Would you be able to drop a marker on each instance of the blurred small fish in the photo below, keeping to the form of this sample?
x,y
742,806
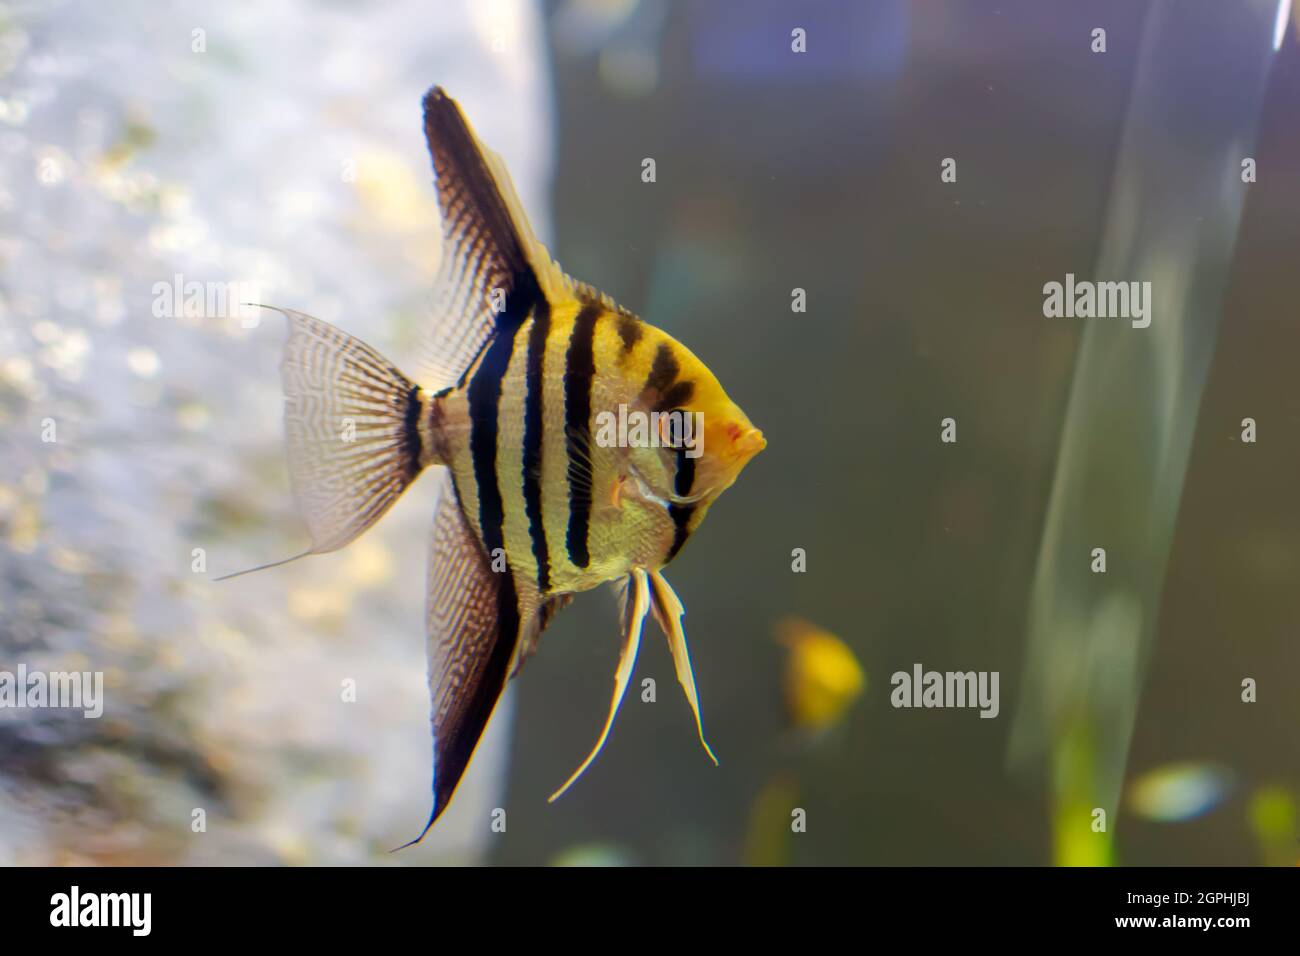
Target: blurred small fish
x,y
1276,825
594,854
822,676
540,496
1179,791
769,839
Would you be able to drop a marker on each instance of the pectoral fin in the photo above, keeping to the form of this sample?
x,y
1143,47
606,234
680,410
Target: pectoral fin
x,y
669,613
636,602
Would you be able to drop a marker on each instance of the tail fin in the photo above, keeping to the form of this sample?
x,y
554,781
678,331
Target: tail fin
x,y
352,427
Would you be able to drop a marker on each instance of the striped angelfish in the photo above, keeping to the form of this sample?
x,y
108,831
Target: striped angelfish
x,y
574,445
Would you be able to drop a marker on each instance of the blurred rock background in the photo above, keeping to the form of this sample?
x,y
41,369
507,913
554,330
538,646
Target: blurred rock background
x,y
278,145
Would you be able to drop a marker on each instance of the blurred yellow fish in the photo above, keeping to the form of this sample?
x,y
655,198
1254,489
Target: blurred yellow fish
x,y
1275,824
769,839
822,676
573,444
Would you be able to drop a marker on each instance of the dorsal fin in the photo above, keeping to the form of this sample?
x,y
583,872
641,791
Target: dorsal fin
x,y
492,266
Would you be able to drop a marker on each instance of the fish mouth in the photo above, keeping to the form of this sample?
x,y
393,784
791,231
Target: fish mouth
x,y
745,444
749,443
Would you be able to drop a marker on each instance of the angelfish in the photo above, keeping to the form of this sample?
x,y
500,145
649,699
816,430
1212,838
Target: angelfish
x,y
521,359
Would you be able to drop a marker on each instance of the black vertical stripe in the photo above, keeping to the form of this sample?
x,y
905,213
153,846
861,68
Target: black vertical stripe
x,y
663,372
684,480
484,395
534,383
412,446
484,407
630,331
681,514
579,376
666,391
676,396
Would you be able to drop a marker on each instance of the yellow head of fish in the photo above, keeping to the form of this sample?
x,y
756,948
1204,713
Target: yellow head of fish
x,y
729,438
684,440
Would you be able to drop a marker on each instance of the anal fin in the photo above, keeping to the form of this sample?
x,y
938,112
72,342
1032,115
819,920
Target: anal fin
x,y
474,626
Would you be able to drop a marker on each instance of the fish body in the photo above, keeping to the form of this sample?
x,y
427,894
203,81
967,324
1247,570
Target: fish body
x,y
524,367
575,515
822,676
